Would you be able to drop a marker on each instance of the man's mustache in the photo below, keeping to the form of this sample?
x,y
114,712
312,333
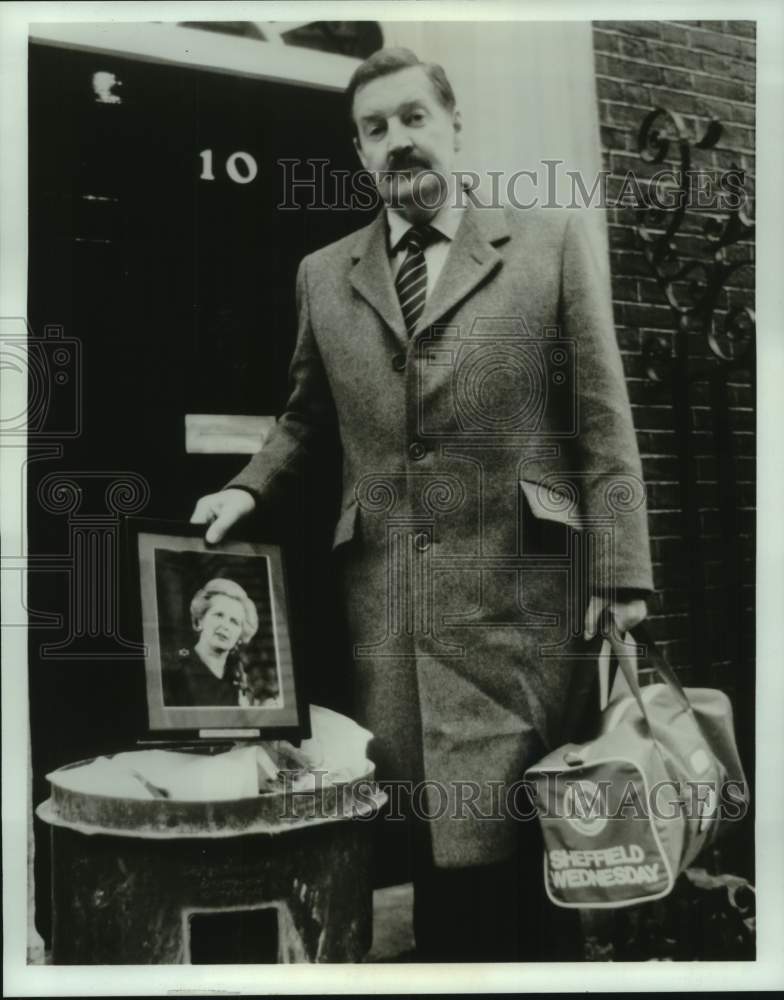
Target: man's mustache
x,y
396,164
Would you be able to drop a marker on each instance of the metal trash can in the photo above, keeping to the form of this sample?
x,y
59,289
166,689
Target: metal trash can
x,y
273,878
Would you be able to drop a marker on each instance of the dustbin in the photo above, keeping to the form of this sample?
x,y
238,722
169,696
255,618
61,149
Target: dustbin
x,y
270,878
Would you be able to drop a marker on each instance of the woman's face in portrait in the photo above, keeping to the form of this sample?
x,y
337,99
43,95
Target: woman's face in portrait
x,y
222,623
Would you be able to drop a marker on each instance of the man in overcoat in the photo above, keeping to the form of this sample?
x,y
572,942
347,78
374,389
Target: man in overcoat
x,y
492,501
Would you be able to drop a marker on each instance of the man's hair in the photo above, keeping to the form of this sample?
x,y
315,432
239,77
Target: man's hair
x,y
388,61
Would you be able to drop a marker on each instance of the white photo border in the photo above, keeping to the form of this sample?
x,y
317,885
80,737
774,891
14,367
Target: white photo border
x,y
767,972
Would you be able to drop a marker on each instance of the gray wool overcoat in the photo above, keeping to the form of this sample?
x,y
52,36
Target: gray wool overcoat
x,y
491,483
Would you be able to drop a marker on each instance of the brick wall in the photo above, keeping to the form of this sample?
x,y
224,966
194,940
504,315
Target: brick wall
x,y
699,69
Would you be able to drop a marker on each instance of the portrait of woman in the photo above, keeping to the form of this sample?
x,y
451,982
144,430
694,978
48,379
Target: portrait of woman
x,y
211,672
215,624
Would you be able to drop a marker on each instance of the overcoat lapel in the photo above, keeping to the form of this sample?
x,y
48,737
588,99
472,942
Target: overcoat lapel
x,y
472,257
371,274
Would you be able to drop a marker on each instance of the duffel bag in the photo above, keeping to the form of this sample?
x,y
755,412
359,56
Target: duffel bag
x,y
625,813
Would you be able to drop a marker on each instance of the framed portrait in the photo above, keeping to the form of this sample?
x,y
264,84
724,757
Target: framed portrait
x,y
214,622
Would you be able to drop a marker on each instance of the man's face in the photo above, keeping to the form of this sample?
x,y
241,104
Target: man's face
x,y
222,623
402,126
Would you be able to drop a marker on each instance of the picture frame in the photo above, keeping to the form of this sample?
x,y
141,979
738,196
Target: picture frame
x,y
215,626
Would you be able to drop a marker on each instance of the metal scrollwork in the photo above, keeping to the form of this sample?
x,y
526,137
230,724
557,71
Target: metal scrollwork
x,y
657,358
692,287
713,335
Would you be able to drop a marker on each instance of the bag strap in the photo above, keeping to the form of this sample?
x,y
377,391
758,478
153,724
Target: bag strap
x,y
627,656
654,655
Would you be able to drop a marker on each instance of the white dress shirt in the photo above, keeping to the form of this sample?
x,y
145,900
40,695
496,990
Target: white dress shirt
x,y
446,222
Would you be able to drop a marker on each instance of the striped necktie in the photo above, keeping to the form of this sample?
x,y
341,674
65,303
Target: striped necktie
x,y
411,280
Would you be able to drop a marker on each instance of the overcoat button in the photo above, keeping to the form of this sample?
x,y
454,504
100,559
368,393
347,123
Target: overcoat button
x,y
422,541
416,451
399,362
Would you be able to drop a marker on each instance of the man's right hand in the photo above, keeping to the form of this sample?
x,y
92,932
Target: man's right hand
x,y
221,511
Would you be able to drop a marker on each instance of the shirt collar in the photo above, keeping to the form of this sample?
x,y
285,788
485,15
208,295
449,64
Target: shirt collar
x,y
446,221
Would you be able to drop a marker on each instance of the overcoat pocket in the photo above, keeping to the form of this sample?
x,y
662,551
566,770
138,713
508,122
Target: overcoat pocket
x,y
346,525
549,503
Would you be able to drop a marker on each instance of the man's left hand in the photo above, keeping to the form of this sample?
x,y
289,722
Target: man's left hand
x,y
627,614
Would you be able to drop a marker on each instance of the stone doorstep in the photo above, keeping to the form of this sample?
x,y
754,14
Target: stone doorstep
x,y
393,932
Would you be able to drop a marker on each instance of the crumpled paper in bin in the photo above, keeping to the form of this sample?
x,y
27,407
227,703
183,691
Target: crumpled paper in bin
x,y
338,746
167,774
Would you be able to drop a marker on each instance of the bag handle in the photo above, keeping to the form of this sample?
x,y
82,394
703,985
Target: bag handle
x,y
654,655
627,658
